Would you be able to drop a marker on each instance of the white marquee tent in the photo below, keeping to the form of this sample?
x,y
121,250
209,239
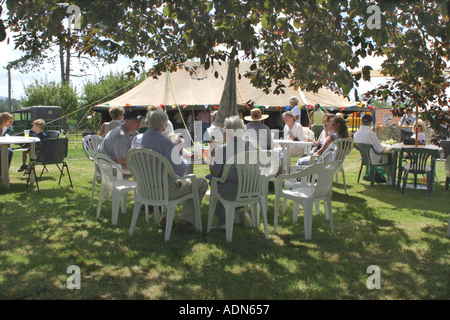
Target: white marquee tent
x,y
200,88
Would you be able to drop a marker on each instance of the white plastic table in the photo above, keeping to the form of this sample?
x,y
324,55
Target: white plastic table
x,y
4,142
286,149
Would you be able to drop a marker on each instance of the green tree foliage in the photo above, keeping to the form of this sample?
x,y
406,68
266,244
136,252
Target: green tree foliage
x,y
109,87
4,104
44,93
311,43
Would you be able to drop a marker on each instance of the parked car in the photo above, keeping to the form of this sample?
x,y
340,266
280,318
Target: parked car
x,y
23,118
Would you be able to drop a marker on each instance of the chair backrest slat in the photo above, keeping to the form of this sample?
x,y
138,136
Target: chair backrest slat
x,y
106,166
250,176
91,143
418,158
152,172
320,177
53,151
343,148
364,149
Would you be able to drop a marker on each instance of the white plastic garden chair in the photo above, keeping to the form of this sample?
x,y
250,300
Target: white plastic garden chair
x,y
91,143
316,185
113,181
152,172
343,148
329,155
250,190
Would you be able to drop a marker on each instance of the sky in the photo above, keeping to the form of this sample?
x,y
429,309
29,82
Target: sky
x,y
19,79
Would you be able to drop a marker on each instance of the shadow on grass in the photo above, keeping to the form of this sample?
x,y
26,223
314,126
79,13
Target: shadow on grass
x,y
44,233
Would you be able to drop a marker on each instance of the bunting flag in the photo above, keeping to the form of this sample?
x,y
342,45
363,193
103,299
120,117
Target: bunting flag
x,y
351,108
215,107
266,106
206,106
107,104
184,107
257,107
370,108
277,107
161,105
342,108
310,106
127,105
321,109
288,108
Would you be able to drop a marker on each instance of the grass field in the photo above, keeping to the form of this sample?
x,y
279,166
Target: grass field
x,y
43,233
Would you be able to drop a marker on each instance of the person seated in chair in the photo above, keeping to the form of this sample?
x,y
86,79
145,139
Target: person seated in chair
x,y
116,113
38,129
118,141
234,143
325,132
421,131
338,130
6,120
293,131
155,140
367,136
257,132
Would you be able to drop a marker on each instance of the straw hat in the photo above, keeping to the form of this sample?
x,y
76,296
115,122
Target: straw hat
x,y
256,115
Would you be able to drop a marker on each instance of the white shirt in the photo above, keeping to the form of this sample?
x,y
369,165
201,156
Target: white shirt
x,y
112,125
367,136
296,131
215,132
296,110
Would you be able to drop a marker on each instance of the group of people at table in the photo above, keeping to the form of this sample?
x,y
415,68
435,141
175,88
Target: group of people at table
x,y
224,143
121,134
6,121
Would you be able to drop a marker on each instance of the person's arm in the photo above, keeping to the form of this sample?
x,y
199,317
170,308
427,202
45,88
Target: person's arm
x,y
376,143
328,141
102,130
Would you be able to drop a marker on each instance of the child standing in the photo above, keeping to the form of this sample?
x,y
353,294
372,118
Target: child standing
x,y
38,127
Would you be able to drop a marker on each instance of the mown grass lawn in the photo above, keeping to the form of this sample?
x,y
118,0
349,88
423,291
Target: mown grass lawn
x,y
43,233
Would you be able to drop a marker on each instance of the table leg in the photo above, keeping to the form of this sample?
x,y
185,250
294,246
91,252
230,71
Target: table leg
x,y
32,158
394,169
288,159
5,169
308,150
400,169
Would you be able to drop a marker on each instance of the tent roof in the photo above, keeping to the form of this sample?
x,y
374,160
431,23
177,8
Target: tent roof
x,y
201,89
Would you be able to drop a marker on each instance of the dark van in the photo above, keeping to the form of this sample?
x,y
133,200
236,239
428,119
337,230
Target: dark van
x,y
23,118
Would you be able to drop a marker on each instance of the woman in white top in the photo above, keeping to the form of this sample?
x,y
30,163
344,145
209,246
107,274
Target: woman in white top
x,y
116,113
421,131
327,118
293,131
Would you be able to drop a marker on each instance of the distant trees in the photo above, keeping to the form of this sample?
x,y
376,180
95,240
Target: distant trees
x,y
107,88
45,93
4,104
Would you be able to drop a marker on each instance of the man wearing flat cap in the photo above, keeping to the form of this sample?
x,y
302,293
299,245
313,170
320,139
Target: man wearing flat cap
x,y
118,141
258,132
